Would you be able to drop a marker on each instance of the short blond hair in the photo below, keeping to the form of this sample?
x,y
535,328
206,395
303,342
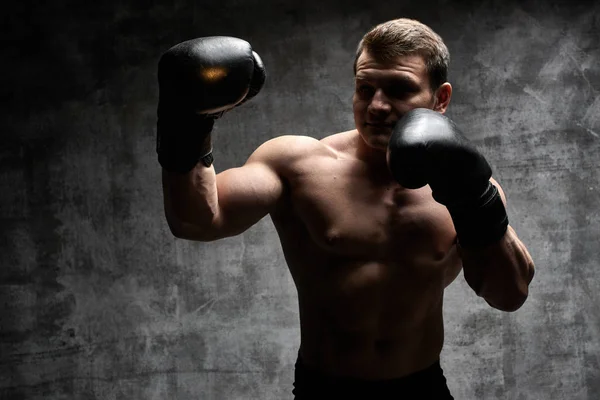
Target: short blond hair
x,y
404,36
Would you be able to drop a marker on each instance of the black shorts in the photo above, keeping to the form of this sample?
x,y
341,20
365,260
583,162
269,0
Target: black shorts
x,y
426,384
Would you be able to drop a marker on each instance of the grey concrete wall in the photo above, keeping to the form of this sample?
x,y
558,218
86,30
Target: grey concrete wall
x,y
99,301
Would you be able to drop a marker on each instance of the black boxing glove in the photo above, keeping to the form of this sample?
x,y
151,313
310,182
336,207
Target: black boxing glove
x,y
198,81
428,148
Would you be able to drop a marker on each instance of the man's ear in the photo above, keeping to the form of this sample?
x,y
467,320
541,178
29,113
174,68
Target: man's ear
x,y
442,97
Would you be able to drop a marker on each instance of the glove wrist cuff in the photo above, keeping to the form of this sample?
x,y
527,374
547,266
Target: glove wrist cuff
x,y
182,142
481,224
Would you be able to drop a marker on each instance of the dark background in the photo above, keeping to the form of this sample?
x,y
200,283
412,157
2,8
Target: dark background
x,y
99,301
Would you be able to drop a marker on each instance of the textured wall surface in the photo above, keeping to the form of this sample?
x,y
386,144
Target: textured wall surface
x,y
99,301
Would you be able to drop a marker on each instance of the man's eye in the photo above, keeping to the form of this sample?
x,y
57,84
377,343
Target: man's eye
x,y
365,89
400,91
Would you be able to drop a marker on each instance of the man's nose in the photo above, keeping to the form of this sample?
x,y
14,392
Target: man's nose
x,y
379,103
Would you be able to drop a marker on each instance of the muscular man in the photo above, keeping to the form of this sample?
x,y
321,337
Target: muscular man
x,y
374,222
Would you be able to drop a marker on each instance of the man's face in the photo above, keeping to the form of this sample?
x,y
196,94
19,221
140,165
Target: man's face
x,y
385,92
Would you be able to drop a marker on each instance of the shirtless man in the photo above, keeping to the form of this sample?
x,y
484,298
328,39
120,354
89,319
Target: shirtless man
x,y
374,223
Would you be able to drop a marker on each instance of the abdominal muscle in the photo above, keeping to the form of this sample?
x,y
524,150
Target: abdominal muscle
x,y
368,320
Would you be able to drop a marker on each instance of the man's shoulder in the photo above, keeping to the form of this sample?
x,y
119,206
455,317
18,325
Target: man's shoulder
x,y
288,153
293,147
293,143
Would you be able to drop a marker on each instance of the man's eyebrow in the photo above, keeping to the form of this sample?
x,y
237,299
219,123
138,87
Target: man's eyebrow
x,y
395,79
404,80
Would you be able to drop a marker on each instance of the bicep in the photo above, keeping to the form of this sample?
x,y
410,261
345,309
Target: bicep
x,y
245,195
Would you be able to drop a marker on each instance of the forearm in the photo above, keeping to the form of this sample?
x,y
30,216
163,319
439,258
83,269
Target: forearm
x,y
500,272
191,202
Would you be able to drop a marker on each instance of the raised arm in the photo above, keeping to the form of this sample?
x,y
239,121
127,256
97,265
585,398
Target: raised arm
x,y
203,206
199,80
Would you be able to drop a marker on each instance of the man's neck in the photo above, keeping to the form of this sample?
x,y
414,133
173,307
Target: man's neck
x,y
375,158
